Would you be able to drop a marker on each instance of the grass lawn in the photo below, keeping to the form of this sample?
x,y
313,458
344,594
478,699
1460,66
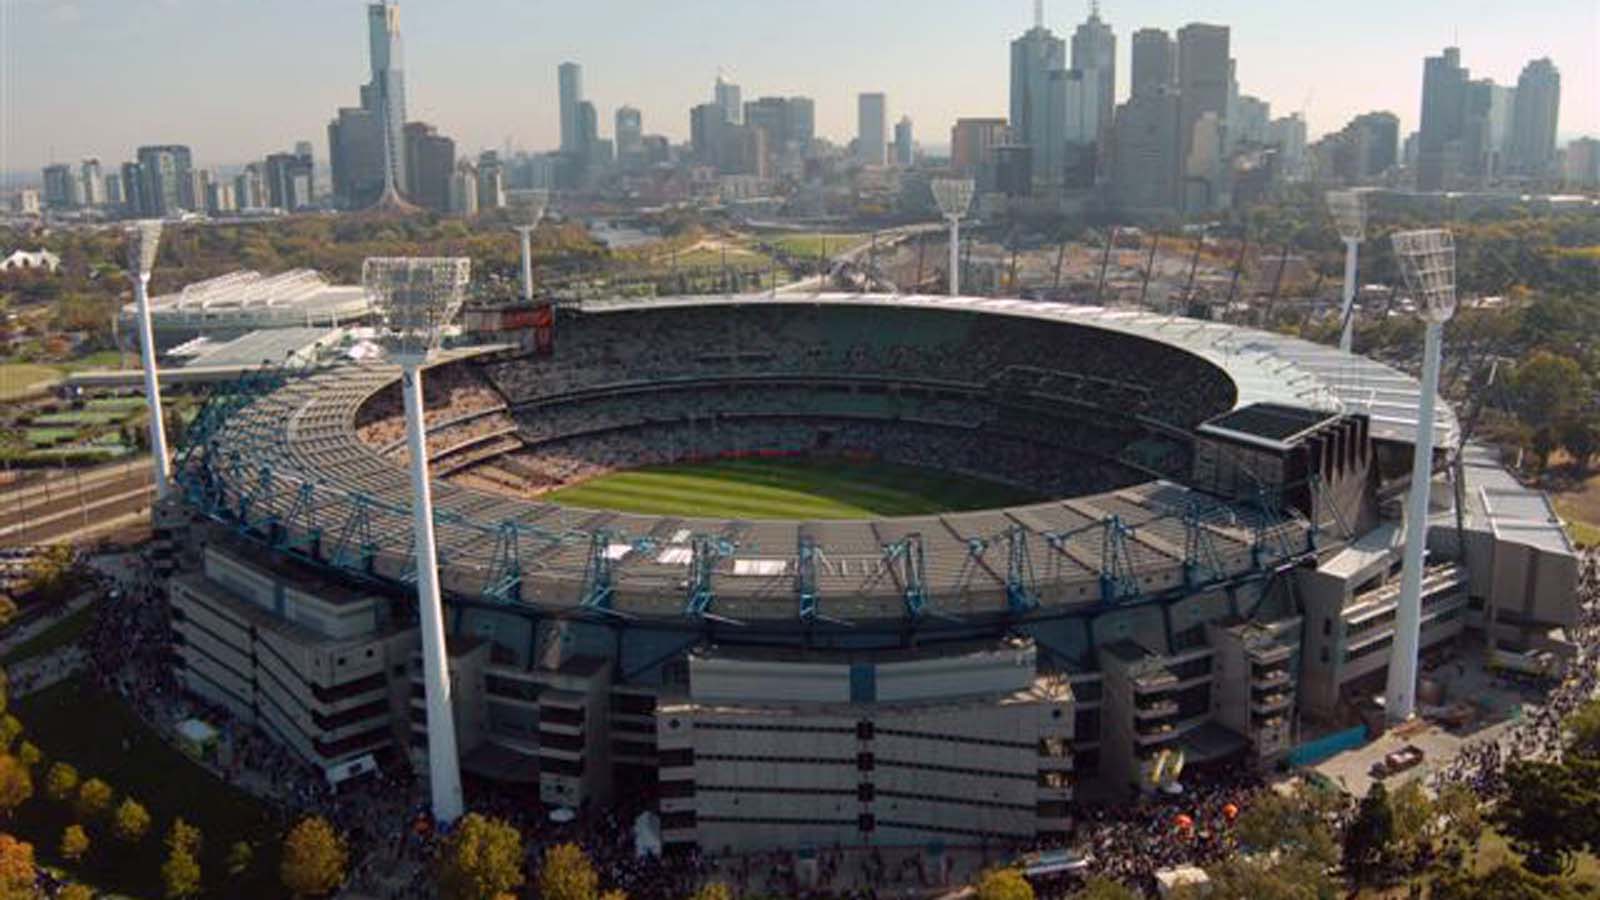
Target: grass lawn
x,y
76,723
811,245
1581,510
23,379
788,489
60,633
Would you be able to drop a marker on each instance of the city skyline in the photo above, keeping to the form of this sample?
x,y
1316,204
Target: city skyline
x,y
469,87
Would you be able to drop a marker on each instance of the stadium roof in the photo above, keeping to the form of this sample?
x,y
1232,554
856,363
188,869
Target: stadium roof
x,y
301,297
1265,367
267,347
1496,501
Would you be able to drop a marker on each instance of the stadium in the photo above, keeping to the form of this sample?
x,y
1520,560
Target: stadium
x,y
1193,548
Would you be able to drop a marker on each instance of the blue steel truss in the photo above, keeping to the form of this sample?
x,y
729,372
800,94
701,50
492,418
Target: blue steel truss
x,y
706,551
505,575
1202,564
905,559
1022,591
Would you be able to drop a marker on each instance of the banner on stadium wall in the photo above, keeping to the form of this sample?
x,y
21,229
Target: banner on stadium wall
x,y
544,329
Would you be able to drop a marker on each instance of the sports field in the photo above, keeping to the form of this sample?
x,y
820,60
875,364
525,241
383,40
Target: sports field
x,y
788,489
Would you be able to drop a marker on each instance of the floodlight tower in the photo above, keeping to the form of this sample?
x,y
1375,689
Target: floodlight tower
x,y
954,195
1428,261
535,210
1349,210
144,238
415,299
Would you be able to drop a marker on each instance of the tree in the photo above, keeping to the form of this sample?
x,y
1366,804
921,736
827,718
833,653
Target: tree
x,y
1262,878
29,754
184,837
180,874
18,874
1463,816
1004,884
61,782
94,798
1583,731
713,890
1415,821
1296,823
1549,812
16,784
240,857
1546,386
482,860
130,822
74,842
1369,841
1581,436
314,858
75,892
1506,881
565,873
10,730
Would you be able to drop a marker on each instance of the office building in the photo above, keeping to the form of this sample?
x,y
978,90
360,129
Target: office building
x,y
904,148
491,185
26,202
355,152
250,188
1204,83
569,78
1154,61
629,136
726,96
1144,156
62,189
972,143
168,187
790,122
1094,53
1582,162
220,199
1444,107
93,189
433,163
706,124
116,198
872,129
1363,150
385,95
1534,118
463,199
1038,96
1251,122
289,178
133,202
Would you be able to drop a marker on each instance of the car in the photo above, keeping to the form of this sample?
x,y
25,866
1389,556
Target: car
x,y
1406,757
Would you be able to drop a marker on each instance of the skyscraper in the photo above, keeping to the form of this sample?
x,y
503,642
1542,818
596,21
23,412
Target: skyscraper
x,y
61,188
168,187
289,181
1444,105
1034,55
726,96
872,128
570,79
1204,77
94,183
630,137
1534,116
433,163
355,152
491,181
1144,156
972,143
904,146
385,95
133,202
1094,53
1153,60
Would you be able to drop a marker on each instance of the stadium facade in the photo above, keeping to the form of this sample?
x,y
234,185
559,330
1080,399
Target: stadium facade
x,y
1214,579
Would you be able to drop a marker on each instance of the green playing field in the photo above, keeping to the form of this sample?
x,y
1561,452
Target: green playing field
x,y
789,489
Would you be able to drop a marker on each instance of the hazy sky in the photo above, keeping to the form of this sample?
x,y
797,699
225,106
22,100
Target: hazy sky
x,y
236,79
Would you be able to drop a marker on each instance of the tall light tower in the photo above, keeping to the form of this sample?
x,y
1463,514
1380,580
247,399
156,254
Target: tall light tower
x,y
954,196
415,299
535,214
1349,210
1427,259
144,238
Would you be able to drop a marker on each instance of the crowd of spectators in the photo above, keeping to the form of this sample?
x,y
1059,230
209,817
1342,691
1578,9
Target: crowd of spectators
x,y
449,392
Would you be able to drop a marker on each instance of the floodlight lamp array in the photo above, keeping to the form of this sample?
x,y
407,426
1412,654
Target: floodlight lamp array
x,y
1427,260
954,195
144,239
415,299
531,211
1349,209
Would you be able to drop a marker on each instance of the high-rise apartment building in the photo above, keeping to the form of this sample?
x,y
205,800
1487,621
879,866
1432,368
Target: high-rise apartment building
x,y
433,163
872,129
1444,109
1204,84
385,95
1534,118
569,78
726,95
1154,61
904,143
1094,53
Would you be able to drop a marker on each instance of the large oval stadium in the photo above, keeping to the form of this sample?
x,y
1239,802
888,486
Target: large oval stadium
x,y
1189,497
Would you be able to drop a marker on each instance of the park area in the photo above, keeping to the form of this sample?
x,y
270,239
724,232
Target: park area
x,y
789,489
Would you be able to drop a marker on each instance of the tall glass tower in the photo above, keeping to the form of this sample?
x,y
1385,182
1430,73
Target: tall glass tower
x,y
385,95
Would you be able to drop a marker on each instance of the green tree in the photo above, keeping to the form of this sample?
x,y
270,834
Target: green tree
x,y
565,873
1097,889
1549,812
1546,386
713,890
16,784
94,798
1369,840
29,754
61,782
1506,881
10,730
482,860
180,874
130,821
1004,884
75,892
1296,823
314,858
1581,436
74,842
1265,878
1416,821
240,857
184,837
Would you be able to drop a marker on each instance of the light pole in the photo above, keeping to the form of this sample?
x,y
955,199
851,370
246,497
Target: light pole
x,y
144,238
415,299
954,196
535,209
1349,210
1427,259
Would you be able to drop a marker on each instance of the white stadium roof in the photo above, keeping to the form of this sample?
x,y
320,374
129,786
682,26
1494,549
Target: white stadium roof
x,y
301,297
1265,367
